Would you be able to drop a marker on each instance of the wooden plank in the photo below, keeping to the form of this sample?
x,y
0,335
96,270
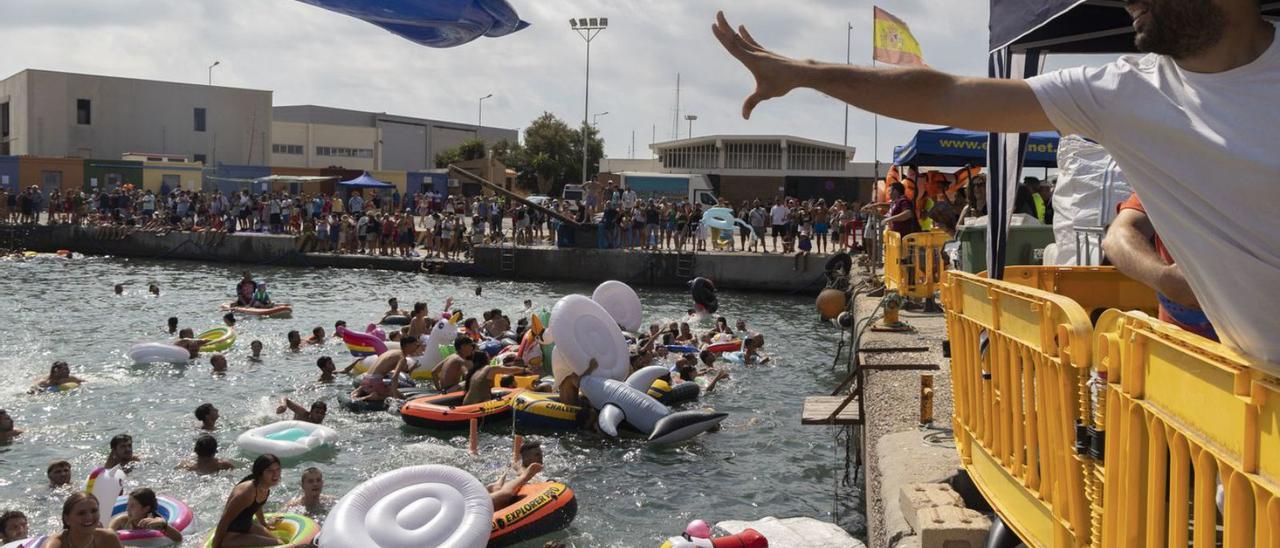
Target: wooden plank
x,y
818,410
903,366
888,349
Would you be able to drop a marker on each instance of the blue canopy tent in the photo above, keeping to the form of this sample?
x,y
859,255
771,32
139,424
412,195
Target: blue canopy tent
x,y
434,23
951,147
1022,34
366,181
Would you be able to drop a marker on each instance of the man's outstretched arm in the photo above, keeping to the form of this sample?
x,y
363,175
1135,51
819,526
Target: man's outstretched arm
x,y
913,94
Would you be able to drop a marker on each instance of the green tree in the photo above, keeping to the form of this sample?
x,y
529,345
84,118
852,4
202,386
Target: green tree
x,y
471,149
554,153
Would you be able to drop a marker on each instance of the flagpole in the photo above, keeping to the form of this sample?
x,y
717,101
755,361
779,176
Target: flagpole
x,y
848,60
876,124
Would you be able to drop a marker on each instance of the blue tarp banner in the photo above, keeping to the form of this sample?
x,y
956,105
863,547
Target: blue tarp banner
x,y
434,23
365,181
950,147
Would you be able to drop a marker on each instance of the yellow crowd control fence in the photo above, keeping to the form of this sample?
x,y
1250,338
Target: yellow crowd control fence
x,y
913,263
1121,431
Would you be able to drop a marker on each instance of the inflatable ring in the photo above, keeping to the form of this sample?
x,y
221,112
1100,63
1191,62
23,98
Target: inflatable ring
x,y
64,387
840,262
428,505
155,352
521,381
682,348
286,439
728,346
366,406
539,509
174,511
278,311
585,331
293,529
621,302
106,485
395,319
673,395
220,338
362,344
33,542
733,357
748,538
446,412
405,382
418,374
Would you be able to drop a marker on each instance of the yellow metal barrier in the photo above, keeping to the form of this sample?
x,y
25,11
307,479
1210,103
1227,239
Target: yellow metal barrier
x,y
1019,363
1094,288
913,264
1186,420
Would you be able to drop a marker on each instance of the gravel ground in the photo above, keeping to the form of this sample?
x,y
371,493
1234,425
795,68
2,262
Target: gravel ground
x,y
892,402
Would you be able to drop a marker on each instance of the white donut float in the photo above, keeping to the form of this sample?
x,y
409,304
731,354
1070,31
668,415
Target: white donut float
x,y
286,439
33,542
584,331
621,302
154,352
428,505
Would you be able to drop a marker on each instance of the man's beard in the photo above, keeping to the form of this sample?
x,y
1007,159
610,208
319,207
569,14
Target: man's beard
x,y
1181,28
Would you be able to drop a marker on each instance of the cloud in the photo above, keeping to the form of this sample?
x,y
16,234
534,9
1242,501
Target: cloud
x,y
309,55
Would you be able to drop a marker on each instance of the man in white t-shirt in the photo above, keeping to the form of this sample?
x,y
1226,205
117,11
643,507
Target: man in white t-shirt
x,y
1191,125
778,215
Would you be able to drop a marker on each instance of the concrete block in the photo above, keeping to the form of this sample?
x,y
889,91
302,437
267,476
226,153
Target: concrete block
x,y
917,496
952,527
912,541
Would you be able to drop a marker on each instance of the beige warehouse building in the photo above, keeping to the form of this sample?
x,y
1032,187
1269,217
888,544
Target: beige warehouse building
x,y
60,114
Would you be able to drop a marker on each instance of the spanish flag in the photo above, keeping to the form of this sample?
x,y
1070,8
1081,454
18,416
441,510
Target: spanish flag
x,y
894,43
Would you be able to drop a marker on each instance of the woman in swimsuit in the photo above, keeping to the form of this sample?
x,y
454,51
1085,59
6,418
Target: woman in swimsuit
x,y
142,512
80,525
243,523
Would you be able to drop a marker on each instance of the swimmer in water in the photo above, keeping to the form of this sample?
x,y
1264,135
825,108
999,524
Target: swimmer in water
x,y
173,325
119,289
315,415
338,326
13,526
751,350
142,511
705,378
242,522
393,309
568,387
419,322
390,364
80,519
58,473
207,461
317,337
219,364
121,453
526,463
59,374
479,384
229,319
153,289
295,341
447,374
327,367
208,415
255,351
685,336
245,289
313,501
7,430
187,340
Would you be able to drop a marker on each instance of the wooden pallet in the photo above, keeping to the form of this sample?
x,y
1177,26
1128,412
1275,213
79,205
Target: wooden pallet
x,y
822,410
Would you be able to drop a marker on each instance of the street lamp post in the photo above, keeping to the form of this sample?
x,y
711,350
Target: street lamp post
x,y
691,118
588,29
597,115
215,63
480,113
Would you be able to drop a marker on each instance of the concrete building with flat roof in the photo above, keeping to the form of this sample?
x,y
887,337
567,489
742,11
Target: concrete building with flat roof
x,y
310,136
748,167
60,114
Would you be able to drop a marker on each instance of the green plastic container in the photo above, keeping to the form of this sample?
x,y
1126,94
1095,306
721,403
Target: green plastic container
x,y
1026,246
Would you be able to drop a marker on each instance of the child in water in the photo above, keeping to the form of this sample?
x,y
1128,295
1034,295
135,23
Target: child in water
x,y
261,299
313,501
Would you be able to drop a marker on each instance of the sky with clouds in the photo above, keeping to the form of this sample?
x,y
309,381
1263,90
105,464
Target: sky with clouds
x,y
307,55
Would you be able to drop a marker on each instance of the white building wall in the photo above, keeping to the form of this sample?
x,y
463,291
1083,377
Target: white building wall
x,y
312,139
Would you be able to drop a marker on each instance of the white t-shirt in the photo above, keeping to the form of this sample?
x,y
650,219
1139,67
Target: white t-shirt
x,y
778,214
1200,150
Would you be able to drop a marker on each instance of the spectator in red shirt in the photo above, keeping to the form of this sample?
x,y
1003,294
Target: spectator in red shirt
x,y
902,211
1134,247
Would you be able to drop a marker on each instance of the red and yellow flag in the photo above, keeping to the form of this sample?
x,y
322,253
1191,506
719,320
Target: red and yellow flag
x,y
894,43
